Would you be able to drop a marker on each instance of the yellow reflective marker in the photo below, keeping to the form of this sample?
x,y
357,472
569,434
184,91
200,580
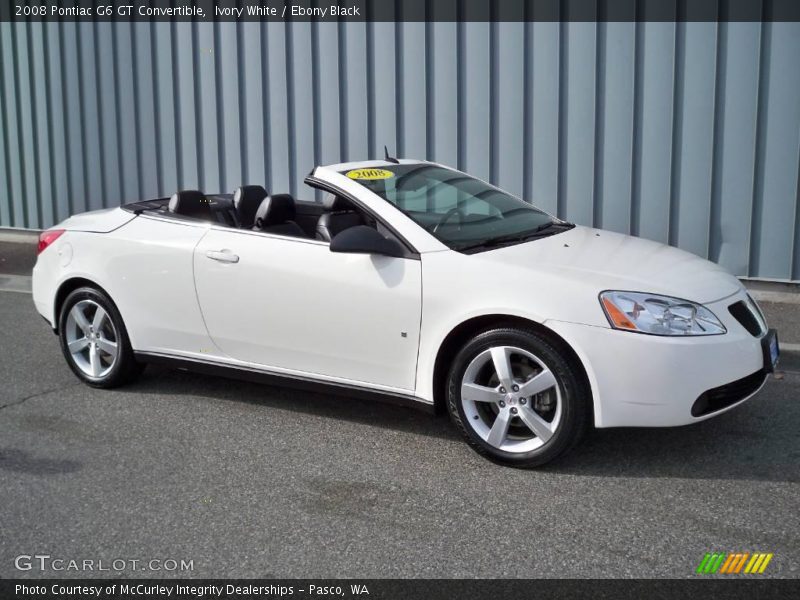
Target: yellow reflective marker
x,y
370,174
757,564
764,564
751,565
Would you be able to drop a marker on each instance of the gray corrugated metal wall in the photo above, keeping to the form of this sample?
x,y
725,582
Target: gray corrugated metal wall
x,y
686,133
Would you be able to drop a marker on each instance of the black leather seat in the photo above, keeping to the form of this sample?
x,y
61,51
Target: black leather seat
x,y
191,203
338,216
276,214
246,200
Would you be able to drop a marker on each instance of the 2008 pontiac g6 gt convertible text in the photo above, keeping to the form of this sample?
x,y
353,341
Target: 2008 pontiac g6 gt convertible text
x,y
414,282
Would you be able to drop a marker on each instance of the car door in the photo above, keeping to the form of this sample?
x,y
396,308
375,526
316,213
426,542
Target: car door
x,y
290,304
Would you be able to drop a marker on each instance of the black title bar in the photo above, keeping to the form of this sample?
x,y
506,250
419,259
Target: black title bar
x,y
399,10
744,587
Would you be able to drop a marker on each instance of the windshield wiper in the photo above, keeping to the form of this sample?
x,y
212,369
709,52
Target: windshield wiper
x,y
540,231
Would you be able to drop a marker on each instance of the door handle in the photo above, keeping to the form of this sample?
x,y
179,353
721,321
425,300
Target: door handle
x,y
225,256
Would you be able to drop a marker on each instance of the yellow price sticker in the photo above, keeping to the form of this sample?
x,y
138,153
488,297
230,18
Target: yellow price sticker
x,y
369,174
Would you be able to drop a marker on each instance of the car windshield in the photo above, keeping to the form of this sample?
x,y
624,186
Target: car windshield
x,y
461,211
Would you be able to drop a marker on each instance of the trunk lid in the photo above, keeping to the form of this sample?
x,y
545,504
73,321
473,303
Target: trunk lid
x,y
97,221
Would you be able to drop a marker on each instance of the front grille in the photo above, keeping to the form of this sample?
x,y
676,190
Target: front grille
x,y
746,313
725,395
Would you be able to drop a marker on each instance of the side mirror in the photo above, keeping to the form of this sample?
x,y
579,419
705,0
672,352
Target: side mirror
x,y
365,240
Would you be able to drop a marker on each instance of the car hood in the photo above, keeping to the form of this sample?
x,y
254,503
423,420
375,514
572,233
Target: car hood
x,y
605,260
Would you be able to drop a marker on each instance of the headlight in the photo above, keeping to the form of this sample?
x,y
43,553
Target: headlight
x,y
658,315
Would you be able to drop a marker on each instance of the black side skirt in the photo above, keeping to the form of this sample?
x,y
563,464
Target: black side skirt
x,y
281,379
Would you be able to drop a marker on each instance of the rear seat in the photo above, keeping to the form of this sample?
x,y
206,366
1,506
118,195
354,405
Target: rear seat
x,y
250,207
195,204
191,203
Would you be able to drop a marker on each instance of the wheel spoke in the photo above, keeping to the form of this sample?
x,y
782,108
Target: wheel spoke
x,y
497,435
99,319
94,361
78,345
535,423
479,393
108,347
80,318
502,365
538,384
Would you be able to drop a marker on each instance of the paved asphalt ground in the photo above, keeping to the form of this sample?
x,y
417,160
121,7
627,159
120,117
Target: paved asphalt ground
x,y
16,257
254,481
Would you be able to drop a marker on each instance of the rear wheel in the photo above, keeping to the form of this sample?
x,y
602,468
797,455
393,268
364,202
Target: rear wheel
x,y
94,340
516,398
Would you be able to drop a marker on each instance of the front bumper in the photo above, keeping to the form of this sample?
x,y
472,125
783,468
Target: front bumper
x,y
654,381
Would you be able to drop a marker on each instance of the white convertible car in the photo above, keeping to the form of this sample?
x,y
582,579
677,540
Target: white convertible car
x,y
416,283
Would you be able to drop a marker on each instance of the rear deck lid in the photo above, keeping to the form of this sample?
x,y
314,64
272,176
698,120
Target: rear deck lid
x,y
98,221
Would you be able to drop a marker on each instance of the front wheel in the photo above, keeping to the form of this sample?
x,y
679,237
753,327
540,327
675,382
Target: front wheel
x,y
94,340
516,398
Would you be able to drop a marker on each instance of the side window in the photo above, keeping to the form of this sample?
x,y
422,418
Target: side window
x,y
384,231
363,218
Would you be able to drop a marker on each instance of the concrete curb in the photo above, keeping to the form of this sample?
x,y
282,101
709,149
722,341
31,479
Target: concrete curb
x,y
790,357
23,236
790,361
15,283
778,297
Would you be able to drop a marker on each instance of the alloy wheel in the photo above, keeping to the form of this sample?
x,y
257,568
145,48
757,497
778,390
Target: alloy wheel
x,y
92,339
511,399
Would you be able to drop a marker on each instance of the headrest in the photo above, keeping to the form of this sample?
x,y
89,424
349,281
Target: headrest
x,y
333,202
246,200
274,210
190,203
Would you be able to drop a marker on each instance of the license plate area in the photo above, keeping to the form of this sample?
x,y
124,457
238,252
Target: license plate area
x,y
771,350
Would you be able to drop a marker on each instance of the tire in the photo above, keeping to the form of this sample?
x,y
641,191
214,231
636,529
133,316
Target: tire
x,y
96,347
545,414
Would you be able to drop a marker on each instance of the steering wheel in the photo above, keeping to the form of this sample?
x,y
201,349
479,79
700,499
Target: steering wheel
x,y
456,210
